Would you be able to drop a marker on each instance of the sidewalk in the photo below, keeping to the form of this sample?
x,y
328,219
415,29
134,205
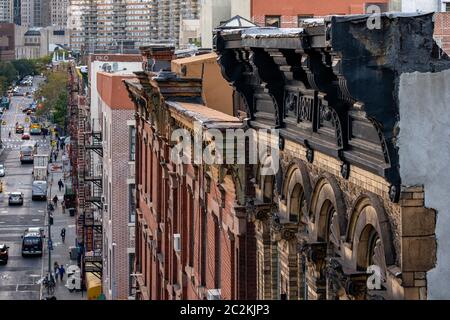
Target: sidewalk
x,y
61,252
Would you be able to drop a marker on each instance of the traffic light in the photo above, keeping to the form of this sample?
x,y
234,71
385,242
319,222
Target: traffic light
x,y
50,219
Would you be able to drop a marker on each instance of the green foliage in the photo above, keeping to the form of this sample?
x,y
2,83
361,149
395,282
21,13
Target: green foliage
x,y
7,75
24,67
54,92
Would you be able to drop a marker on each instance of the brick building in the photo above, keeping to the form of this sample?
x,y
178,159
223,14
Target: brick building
x,y
193,240
289,13
118,131
442,30
357,189
7,42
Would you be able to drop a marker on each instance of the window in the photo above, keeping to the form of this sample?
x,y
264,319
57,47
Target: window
x,y
132,143
273,21
132,203
302,17
447,7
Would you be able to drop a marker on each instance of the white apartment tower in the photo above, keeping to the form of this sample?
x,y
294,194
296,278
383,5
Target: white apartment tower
x,y
109,25
6,11
58,12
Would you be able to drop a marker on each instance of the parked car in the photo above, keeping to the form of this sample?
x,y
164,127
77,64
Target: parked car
x,y
25,136
2,170
15,197
4,253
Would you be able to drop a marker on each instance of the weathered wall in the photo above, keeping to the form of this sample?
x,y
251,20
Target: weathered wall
x,y
424,150
213,12
421,5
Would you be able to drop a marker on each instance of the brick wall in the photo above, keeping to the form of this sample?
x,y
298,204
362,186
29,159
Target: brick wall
x,y
442,30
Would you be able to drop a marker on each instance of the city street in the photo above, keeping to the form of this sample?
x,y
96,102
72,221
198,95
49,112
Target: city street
x,y
19,276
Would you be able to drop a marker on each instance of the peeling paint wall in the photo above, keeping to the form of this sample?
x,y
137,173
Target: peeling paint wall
x,y
424,151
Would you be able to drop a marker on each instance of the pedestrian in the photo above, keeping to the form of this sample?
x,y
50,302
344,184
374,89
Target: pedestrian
x,y
55,269
63,234
55,200
9,134
55,156
60,185
61,272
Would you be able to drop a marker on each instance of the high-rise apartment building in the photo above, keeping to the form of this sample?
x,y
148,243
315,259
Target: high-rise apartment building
x,y
34,13
107,25
166,17
6,11
27,13
58,12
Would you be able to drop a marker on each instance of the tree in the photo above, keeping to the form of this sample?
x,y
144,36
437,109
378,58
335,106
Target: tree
x,y
54,94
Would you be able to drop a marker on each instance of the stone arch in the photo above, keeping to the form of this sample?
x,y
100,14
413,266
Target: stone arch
x,y
369,233
296,190
328,211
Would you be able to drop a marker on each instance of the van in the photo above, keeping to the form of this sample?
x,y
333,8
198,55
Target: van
x,y
32,243
39,190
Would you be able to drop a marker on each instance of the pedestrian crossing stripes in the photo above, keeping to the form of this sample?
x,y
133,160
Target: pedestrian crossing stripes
x,y
20,140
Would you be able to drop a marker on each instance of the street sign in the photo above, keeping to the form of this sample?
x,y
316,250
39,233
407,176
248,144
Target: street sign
x,y
50,244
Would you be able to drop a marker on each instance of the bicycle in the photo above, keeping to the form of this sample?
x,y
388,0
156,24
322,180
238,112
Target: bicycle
x,y
49,284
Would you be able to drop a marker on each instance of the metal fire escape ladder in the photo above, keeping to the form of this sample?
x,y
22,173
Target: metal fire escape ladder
x,y
93,221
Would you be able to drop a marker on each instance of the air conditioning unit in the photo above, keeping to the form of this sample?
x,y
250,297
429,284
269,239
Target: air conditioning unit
x,y
177,242
213,294
105,207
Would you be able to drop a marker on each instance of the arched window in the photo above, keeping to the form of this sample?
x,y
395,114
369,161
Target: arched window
x,y
296,202
267,189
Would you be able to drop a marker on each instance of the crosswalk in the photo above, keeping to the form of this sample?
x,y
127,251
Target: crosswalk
x,y
15,144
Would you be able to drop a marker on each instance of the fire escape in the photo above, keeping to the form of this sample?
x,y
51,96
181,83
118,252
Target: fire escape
x,y
93,178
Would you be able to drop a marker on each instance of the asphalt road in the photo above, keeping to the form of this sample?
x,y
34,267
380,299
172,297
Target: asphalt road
x,y
19,276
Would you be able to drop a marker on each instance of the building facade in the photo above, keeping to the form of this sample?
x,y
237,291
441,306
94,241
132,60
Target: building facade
x,y
348,201
6,11
166,18
118,131
114,26
290,13
192,238
7,41
58,12
32,43
215,12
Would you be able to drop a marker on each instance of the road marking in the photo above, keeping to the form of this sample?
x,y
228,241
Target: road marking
x,y
35,220
71,226
4,211
2,222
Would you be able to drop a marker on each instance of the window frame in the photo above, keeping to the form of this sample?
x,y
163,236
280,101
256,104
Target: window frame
x,y
272,17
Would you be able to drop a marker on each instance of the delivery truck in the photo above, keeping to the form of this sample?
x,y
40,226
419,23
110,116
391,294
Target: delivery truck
x,y
41,160
40,173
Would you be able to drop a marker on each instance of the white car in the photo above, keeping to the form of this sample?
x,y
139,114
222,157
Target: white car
x,y
2,170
